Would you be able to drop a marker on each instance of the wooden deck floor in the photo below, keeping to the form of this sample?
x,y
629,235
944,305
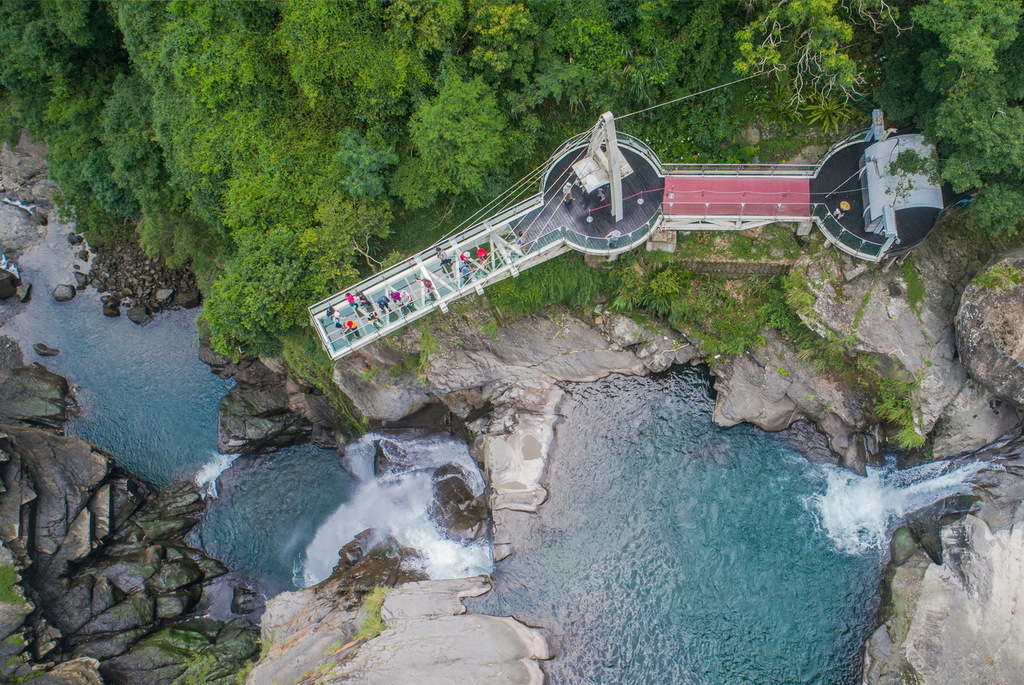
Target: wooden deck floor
x,y
643,184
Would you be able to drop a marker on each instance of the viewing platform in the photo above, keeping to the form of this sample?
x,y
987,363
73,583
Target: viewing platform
x,y
604,193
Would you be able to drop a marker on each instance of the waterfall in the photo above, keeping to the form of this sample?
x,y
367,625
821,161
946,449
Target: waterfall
x,y
399,506
859,513
206,477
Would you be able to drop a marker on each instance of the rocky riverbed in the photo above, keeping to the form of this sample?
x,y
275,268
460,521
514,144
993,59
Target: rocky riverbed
x,y
122,587
100,584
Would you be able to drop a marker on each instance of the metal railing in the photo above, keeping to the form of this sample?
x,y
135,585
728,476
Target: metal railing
x,y
788,170
846,241
643,149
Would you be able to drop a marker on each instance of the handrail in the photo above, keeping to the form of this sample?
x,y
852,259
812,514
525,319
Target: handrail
x,y
843,239
480,228
643,148
688,169
855,137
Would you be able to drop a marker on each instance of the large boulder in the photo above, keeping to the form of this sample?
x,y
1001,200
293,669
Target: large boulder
x,y
34,394
139,314
64,292
391,459
990,328
253,419
463,514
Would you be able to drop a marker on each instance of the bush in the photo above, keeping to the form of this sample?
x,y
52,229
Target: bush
x,y
563,280
373,624
1001,277
915,288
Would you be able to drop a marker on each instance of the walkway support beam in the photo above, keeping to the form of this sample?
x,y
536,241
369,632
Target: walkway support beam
x,y
604,164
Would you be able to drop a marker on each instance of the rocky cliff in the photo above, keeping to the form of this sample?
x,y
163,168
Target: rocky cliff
x,y
901,318
990,326
98,582
951,603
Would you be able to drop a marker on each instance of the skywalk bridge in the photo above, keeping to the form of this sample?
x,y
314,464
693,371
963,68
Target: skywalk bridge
x,y
600,198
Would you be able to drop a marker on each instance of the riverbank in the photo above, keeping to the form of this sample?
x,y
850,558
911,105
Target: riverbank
x,y
502,388
902,323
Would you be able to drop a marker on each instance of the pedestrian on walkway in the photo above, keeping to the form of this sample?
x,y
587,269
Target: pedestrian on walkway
x,y
383,305
354,303
446,262
467,272
352,329
374,318
428,289
521,242
482,257
567,193
406,301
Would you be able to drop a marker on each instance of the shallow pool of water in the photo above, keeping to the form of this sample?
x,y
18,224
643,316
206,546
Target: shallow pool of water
x,y
674,551
147,399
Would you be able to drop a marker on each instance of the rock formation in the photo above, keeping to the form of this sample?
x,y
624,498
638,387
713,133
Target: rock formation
x,y
427,638
267,409
954,620
902,318
108,581
990,328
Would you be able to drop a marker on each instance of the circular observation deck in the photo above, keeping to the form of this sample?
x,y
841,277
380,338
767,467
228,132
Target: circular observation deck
x,y
587,222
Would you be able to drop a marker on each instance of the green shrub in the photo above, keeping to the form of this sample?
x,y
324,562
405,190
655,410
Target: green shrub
x,y
915,288
8,580
373,624
564,280
1001,277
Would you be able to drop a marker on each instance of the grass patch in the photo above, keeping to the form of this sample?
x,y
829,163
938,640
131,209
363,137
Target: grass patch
x,y
491,327
373,624
563,280
1003,277
915,288
773,242
198,670
8,580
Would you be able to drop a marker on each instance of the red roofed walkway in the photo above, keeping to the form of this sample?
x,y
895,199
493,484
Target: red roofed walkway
x,y
734,201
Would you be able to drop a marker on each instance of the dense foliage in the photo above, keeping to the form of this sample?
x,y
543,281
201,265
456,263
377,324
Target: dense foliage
x,y
284,146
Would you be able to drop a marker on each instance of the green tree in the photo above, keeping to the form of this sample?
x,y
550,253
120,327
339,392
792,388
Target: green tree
x,y
958,76
458,137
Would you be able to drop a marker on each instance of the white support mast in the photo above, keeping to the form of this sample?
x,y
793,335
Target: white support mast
x,y
603,163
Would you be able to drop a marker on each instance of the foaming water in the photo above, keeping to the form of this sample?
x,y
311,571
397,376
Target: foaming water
x,y
674,551
206,477
269,508
859,514
399,506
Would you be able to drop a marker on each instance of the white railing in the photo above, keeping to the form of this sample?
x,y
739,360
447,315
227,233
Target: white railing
x,y
787,170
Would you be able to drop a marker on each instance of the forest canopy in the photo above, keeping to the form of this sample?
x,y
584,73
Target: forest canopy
x,y
285,147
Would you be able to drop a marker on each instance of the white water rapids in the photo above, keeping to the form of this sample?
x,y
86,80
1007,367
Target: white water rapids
x,y
859,513
206,477
400,506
